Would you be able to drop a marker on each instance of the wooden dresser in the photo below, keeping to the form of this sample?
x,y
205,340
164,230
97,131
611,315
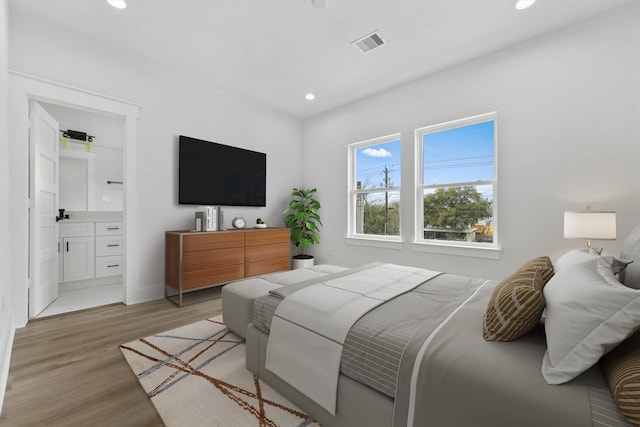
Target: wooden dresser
x,y
199,260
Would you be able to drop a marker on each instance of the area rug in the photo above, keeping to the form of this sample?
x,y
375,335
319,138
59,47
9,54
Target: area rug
x,y
196,376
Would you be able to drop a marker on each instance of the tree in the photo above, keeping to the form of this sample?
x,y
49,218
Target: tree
x,y
455,208
382,220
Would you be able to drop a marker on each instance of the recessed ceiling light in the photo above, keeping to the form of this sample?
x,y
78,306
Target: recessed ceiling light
x,y
119,4
309,97
523,4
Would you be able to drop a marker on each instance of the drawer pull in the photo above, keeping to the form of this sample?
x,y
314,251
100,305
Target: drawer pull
x,y
113,245
113,228
113,265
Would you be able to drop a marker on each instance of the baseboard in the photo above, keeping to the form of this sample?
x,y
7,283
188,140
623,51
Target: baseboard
x,y
143,295
6,345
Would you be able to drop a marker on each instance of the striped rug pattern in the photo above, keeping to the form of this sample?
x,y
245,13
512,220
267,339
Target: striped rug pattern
x,y
196,376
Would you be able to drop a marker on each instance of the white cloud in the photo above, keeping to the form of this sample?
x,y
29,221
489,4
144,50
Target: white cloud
x,y
380,152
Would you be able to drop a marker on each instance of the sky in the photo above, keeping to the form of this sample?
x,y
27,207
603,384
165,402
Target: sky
x,y
464,154
371,162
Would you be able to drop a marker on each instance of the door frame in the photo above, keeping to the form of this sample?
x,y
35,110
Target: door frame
x,y
24,88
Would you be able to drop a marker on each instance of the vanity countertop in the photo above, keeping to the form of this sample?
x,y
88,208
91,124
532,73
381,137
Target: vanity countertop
x,y
102,216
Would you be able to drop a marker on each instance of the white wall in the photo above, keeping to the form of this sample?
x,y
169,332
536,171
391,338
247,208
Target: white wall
x,y
171,104
568,136
6,322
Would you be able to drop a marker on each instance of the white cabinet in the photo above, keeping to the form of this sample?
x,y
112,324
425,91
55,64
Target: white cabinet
x,y
109,249
77,251
90,250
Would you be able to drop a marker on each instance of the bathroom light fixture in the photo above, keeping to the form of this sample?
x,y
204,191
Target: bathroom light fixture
x,y
319,4
118,4
309,97
523,4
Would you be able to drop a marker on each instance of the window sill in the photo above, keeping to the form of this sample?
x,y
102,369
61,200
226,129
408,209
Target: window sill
x,y
376,242
460,250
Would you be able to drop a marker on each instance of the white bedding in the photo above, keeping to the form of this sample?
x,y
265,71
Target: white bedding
x,y
310,325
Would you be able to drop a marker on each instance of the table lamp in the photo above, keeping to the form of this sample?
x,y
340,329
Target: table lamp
x,y
590,225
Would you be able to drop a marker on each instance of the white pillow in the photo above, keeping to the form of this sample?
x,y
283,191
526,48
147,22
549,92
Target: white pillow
x,y
587,315
573,257
577,256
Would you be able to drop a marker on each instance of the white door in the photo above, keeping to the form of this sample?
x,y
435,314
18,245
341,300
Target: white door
x,y
43,194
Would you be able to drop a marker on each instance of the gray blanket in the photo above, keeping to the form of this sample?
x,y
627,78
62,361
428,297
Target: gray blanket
x,y
376,343
464,380
461,380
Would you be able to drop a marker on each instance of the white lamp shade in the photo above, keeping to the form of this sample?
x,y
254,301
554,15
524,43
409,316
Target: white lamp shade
x,y
120,4
590,225
523,4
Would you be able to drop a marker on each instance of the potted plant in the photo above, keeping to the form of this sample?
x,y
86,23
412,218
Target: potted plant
x,y
302,219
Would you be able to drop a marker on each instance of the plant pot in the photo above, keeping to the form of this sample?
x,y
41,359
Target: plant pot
x,y
302,261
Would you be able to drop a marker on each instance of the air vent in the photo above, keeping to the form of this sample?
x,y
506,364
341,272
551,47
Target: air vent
x,y
369,42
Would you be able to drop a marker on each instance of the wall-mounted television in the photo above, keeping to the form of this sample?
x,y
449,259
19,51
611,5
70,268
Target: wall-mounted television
x,y
212,174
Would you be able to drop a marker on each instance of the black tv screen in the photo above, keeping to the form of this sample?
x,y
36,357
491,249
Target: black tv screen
x,y
213,174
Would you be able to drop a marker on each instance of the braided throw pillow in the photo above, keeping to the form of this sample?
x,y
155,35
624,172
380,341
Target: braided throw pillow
x,y
621,367
515,306
543,262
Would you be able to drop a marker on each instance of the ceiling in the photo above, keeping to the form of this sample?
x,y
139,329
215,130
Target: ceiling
x,y
275,51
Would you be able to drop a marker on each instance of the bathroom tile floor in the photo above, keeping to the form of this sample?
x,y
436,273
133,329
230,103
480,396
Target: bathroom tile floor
x,y
81,299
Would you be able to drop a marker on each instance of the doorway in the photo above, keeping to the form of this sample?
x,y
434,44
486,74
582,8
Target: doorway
x,y
23,89
89,210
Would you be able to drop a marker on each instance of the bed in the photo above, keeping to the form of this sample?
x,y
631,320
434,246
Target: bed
x,y
441,350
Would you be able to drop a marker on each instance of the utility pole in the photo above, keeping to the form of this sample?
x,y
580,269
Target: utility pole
x,y
386,199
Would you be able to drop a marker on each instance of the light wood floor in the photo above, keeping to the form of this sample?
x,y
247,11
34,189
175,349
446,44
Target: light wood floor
x,y
68,370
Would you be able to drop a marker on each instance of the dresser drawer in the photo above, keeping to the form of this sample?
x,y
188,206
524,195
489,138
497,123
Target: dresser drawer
x,y
203,260
266,266
209,241
262,252
109,266
109,245
267,237
212,276
108,228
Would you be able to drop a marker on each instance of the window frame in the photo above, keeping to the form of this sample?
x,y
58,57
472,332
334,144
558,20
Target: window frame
x,y
387,240
477,249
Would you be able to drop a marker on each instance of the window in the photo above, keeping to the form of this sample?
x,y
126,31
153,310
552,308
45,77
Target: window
x,y
457,182
374,188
